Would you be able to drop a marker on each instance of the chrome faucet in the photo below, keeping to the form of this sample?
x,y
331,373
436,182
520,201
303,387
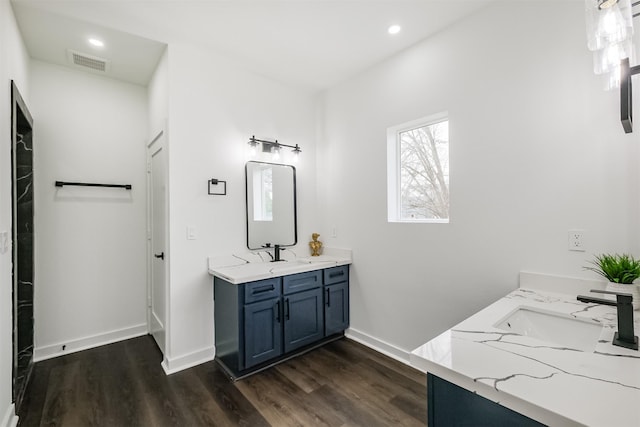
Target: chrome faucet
x,y
625,337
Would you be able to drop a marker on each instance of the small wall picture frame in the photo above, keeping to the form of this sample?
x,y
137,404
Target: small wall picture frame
x,y
217,187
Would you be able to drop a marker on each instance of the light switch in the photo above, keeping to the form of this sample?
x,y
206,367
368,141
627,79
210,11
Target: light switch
x,y
191,233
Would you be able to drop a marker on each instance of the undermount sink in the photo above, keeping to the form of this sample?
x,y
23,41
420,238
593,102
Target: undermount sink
x,y
555,328
285,265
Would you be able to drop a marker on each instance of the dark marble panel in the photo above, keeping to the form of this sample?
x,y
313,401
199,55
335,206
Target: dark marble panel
x,y
24,220
24,186
25,322
25,257
22,174
25,295
24,149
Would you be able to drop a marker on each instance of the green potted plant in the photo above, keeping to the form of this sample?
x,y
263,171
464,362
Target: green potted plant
x,y
621,271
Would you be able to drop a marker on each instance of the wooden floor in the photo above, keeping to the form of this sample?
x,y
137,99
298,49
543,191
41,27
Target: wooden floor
x,y
122,384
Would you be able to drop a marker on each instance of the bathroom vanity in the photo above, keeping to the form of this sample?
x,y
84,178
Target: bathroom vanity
x,y
269,312
535,357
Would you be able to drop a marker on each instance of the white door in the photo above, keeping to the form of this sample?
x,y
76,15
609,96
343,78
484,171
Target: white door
x,y
158,253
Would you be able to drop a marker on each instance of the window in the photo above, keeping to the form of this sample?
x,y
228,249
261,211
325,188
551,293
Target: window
x,y
418,170
263,194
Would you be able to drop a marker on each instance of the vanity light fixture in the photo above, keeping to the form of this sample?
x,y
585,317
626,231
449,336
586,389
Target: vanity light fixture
x,y
273,147
609,37
626,98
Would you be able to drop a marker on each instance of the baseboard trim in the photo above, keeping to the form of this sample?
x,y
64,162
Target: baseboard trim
x,y
73,346
10,418
177,364
380,346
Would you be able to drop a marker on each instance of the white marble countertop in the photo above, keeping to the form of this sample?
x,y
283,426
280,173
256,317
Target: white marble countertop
x,y
551,383
249,267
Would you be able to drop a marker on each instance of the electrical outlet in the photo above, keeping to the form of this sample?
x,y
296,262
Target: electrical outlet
x,y
576,240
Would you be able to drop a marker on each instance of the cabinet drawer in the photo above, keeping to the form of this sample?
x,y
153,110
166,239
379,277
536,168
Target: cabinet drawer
x,y
301,282
261,290
336,274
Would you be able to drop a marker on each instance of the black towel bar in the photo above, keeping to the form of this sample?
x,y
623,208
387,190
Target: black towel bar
x,y
89,184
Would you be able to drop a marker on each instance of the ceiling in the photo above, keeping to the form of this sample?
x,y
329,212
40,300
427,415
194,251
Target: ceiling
x,y
312,44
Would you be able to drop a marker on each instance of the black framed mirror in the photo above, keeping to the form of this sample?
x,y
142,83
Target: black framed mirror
x,y
271,205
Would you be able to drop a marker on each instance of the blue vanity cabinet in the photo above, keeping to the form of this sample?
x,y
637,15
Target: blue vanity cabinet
x,y
449,405
336,299
303,313
258,324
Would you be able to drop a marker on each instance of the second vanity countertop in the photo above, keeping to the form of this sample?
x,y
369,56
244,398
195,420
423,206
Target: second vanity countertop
x,y
243,268
550,383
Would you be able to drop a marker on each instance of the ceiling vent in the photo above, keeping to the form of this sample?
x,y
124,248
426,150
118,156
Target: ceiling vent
x,y
88,62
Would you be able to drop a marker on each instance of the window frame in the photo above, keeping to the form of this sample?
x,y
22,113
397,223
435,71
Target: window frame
x,y
394,202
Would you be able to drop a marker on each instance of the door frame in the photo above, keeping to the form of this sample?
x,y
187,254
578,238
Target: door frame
x,y
150,255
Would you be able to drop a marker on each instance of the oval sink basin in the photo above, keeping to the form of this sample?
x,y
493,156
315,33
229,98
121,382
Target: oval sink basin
x,y
555,328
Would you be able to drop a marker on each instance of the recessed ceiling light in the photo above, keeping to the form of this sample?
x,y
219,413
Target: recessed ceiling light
x,y
96,42
394,29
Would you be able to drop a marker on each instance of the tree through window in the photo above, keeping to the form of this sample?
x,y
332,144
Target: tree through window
x,y
420,169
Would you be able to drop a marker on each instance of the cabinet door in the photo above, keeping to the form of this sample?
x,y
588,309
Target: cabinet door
x,y
336,308
262,331
303,319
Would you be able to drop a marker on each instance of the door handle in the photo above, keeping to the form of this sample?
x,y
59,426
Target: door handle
x,y
286,309
161,255
328,298
278,311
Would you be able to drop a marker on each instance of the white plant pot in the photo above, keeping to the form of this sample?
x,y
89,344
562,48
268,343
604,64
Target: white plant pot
x,y
632,289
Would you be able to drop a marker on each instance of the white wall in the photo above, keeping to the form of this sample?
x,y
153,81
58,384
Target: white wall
x,y
158,97
214,108
536,149
14,64
90,242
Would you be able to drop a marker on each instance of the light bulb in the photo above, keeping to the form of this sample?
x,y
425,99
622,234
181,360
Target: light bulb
x,y
608,58
612,79
253,144
275,152
608,25
296,153
611,26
